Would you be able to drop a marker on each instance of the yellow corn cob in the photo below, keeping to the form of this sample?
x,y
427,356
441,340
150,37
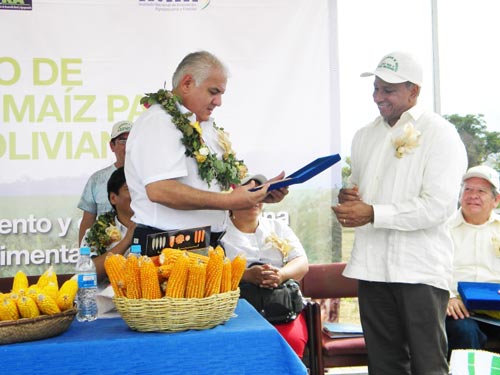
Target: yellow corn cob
x,y
225,283
214,272
165,270
67,294
114,264
32,291
48,276
176,286
46,304
132,277
20,283
8,309
238,266
169,256
51,290
195,287
150,285
27,307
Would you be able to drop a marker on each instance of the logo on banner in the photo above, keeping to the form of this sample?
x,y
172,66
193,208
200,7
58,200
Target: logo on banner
x,y
16,4
175,5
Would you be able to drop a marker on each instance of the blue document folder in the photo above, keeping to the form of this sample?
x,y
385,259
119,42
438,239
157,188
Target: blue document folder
x,y
480,296
305,173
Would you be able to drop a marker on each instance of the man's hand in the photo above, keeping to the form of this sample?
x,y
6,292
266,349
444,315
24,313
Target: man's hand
x,y
349,194
353,213
457,309
277,195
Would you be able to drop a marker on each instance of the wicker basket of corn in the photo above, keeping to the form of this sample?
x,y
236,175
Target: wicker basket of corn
x,y
41,327
37,311
178,291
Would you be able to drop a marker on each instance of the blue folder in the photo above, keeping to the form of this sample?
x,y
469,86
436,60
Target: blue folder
x,y
305,173
480,296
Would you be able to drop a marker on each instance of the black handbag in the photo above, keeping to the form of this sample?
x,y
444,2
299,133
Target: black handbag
x,y
279,305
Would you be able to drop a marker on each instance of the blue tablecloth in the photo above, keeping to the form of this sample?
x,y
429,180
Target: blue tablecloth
x,y
246,344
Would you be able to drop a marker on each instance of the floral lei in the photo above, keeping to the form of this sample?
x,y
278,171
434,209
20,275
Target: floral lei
x,y
103,232
225,171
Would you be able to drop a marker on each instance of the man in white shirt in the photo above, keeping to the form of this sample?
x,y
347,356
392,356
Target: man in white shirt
x,y
475,230
406,171
179,164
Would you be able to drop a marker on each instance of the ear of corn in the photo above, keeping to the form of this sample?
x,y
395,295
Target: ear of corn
x,y
48,276
169,256
214,272
225,283
114,264
67,294
51,290
20,284
8,309
176,286
238,266
46,304
27,307
165,270
132,277
195,287
150,285
32,291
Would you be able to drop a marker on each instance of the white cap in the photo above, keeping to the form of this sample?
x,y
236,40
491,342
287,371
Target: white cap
x,y
398,67
121,127
485,172
259,178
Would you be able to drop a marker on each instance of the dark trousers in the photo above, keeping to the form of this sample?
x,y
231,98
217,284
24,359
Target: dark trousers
x,y
404,328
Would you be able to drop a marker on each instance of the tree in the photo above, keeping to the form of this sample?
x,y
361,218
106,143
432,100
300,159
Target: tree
x,y
482,145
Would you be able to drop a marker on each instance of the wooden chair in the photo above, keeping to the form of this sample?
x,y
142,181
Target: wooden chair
x,y
326,281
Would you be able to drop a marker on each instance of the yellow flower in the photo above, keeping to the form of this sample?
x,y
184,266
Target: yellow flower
x,y
242,171
408,141
283,245
201,154
113,233
196,126
495,241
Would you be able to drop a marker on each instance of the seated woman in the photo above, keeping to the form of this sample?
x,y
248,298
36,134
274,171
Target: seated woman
x,y
114,236
280,255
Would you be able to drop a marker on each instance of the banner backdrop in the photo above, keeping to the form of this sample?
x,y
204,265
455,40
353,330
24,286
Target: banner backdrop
x,y
69,70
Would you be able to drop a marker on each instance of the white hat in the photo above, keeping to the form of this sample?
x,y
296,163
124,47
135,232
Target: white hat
x,y
120,127
259,178
485,172
398,67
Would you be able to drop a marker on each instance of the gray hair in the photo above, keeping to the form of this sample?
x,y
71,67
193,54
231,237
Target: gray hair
x,y
198,65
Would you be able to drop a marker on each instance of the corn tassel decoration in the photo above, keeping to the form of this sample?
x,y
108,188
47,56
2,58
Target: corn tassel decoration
x,y
8,309
176,286
133,277
20,284
114,264
150,285
195,287
214,272
67,294
46,304
238,266
27,307
49,276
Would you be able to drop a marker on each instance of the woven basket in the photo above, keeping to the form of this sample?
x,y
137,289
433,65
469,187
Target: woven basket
x,y
41,327
177,314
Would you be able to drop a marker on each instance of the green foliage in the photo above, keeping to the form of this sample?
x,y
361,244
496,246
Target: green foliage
x,y
482,145
346,171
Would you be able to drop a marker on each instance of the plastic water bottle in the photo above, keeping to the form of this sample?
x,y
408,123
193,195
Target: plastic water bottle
x,y
87,287
135,250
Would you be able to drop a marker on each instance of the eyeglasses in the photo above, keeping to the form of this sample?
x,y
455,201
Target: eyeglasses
x,y
122,141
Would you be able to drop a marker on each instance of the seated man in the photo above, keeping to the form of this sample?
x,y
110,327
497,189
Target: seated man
x,y
475,230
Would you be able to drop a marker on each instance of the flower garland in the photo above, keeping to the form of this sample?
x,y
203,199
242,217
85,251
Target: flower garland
x,y
408,141
225,171
103,232
283,245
